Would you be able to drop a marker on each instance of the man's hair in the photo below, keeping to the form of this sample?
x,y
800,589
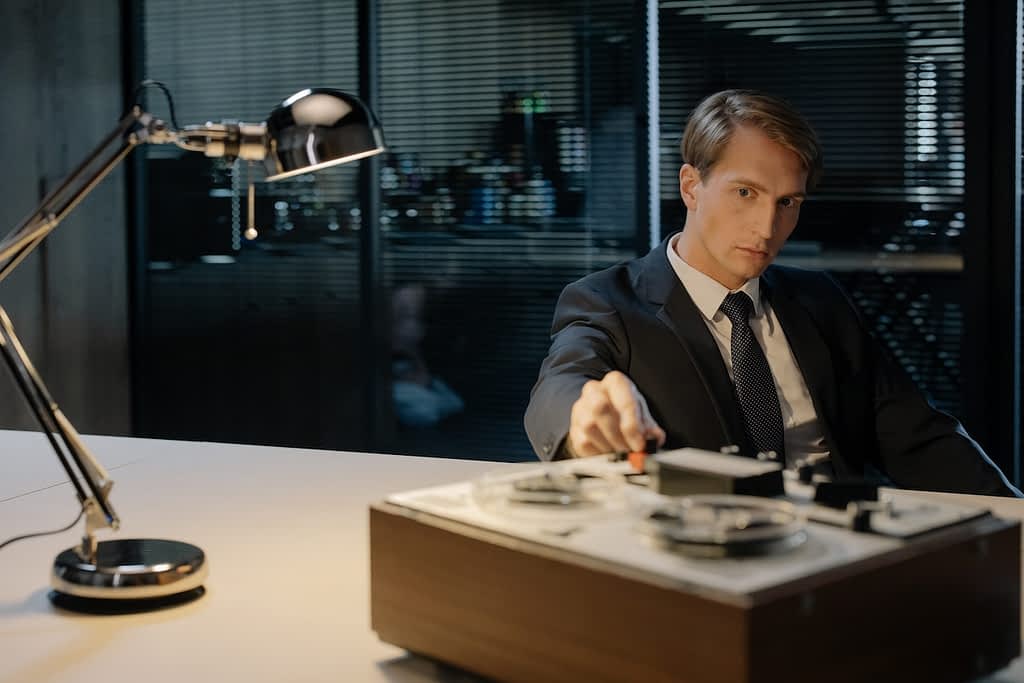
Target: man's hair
x,y
712,123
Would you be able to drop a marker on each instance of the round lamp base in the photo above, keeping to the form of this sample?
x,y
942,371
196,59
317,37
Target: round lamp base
x,y
73,603
130,575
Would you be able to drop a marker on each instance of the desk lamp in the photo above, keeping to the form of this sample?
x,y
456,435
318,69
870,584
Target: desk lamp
x,y
310,130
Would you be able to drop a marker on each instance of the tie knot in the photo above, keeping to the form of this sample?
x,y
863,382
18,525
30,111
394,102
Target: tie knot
x,y
737,307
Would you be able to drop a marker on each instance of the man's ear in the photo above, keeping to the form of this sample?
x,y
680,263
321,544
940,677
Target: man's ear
x,y
689,180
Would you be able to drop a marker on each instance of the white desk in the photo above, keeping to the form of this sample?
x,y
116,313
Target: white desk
x,y
285,532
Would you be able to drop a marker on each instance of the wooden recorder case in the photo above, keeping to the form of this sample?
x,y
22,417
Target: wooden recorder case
x,y
942,606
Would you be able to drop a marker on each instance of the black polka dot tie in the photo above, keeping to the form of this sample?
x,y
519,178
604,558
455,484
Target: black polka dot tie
x,y
752,378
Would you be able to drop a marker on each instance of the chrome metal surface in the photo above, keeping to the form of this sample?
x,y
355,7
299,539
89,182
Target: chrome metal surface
x,y
722,525
319,127
551,492
548,489
234,140
310,130
131,569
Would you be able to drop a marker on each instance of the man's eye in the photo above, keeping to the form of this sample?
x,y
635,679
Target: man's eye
x,y
787,202
744,191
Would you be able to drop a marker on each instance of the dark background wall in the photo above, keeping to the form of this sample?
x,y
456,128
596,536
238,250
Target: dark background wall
x,y
62,63
516,135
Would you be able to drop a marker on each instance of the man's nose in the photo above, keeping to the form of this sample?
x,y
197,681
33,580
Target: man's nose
x,y
765,225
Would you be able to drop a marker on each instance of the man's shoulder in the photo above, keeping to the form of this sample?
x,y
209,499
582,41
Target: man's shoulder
x,y
796,274
803,281
621,289
619,277
815,291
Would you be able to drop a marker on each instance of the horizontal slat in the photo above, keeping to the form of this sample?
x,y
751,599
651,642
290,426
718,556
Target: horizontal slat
x,y
883,82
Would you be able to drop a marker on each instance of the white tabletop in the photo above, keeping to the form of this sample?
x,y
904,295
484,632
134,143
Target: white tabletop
x,y
285,532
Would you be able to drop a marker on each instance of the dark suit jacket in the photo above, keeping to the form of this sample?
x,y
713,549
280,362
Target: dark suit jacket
x,y
636,317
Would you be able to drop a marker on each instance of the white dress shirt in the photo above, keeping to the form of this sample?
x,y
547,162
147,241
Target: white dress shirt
x,y
803,433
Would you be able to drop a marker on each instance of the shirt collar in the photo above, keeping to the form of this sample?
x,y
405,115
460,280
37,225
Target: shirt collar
x,y
705,291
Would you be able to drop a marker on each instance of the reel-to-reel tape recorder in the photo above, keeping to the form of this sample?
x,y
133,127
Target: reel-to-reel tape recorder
x,y
586,570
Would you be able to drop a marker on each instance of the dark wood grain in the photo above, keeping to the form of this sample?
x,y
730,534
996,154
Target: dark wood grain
x,y
518,611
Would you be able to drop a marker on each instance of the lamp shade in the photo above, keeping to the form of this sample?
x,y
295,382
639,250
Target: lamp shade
x,y
319,127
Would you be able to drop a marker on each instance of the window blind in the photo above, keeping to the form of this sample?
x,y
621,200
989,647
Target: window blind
x,y
511,130
882,82
511,127
248,341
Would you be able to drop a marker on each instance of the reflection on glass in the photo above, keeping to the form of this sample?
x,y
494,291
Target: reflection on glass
x,y
884,87
511,127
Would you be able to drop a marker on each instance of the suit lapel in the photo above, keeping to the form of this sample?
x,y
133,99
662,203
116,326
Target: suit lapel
x,y
683,318
796,314
810,350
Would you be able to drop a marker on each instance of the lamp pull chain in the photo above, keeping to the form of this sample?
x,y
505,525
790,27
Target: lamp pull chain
x,y
250,229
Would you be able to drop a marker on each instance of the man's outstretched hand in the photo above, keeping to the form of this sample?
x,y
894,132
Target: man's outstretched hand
x,y
611,416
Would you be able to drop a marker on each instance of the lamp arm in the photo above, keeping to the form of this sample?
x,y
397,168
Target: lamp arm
x,y
13,355
91,482
21,241
313,129
89,479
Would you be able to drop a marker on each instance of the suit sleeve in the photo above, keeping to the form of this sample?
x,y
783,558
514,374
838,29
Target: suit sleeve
x,y
587,341
924,448
919,446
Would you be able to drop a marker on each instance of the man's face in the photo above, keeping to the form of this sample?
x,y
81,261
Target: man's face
x,y
743,210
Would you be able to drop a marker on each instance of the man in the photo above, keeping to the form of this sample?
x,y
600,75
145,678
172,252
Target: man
x,y
704,343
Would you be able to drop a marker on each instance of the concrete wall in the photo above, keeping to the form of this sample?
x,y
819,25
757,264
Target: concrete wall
x,y
61,66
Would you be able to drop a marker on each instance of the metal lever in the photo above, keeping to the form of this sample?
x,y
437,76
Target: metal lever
x,y
250,221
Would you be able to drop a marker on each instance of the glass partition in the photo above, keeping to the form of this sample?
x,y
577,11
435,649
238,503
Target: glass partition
x,y
516,136
512,128
511,133
883,85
